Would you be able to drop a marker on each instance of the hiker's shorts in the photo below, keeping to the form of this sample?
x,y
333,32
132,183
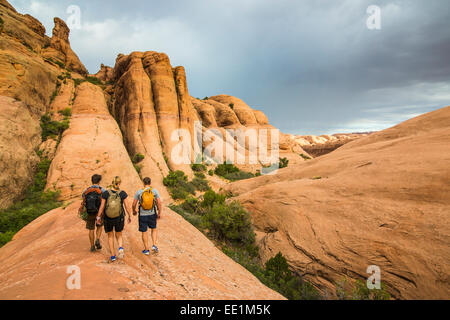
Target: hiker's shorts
x,y
117,224
90,222
147,222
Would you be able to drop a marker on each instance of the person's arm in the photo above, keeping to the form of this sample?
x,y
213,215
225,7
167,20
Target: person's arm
x,y
102,208
135,202
81,205
159,205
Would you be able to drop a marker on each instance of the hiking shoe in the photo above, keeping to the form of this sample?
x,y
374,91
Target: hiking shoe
x,y
121,253
146,252
155,249
93,249
113,258
97,244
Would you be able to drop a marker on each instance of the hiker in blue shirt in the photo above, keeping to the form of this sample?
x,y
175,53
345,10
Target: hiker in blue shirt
x,y
150,210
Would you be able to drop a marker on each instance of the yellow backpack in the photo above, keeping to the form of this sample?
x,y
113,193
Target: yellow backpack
x,y
147,199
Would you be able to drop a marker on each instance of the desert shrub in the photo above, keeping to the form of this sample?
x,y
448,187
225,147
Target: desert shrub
x,y
229,223
173,178
211,172
210,198
198,167
94,80
305,157
67,112
178,185
278,277
225,168
51,128
35,202
241,175
137,168
357,290
200,184
231,172
284,162
231,105
138,157
199,175
77,82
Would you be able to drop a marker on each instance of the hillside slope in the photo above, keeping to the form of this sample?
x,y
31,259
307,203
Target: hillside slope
x,y
382,200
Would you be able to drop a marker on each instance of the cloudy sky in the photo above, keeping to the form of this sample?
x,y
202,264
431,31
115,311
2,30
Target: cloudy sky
x,y
312,66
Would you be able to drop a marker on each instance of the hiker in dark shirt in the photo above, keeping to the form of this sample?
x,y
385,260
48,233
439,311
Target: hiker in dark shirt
x,y
91,201
113,207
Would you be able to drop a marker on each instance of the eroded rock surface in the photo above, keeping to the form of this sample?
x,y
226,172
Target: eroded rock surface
x,y
381,200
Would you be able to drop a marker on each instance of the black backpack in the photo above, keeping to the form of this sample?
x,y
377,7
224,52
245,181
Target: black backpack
x,y
92,200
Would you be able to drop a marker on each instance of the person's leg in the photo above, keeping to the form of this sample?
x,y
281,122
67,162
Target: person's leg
x,y
111,243
154,236
99,232
119,239
145,240
91,237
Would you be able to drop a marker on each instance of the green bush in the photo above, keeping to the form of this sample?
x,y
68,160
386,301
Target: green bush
x,y
284,162
51,128
231,172
357,290
178,185
94,80
200,184
35,202
210,198
229,223
211,172
67,112
77,82
231,106
305,157
198,167
225,168
138,158
241,175
199,175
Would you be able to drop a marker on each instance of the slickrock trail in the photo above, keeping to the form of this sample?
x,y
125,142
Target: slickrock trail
x,y
381,200
189,266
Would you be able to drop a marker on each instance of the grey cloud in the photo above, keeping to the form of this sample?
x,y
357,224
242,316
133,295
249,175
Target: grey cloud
x,y
311,66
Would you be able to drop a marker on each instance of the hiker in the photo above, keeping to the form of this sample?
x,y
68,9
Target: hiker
x,y
113,207
149,200
92,197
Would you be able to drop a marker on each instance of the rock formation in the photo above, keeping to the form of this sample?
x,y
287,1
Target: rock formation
x,y
381,200
60,49
318,146
20,135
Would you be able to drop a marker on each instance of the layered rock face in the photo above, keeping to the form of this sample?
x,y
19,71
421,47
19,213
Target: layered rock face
x,y
381,200
60,48
28,75
318,146
222,113
20,135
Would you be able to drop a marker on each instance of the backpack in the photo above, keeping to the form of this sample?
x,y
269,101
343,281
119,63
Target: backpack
x,y
114,205
147,199
92,200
